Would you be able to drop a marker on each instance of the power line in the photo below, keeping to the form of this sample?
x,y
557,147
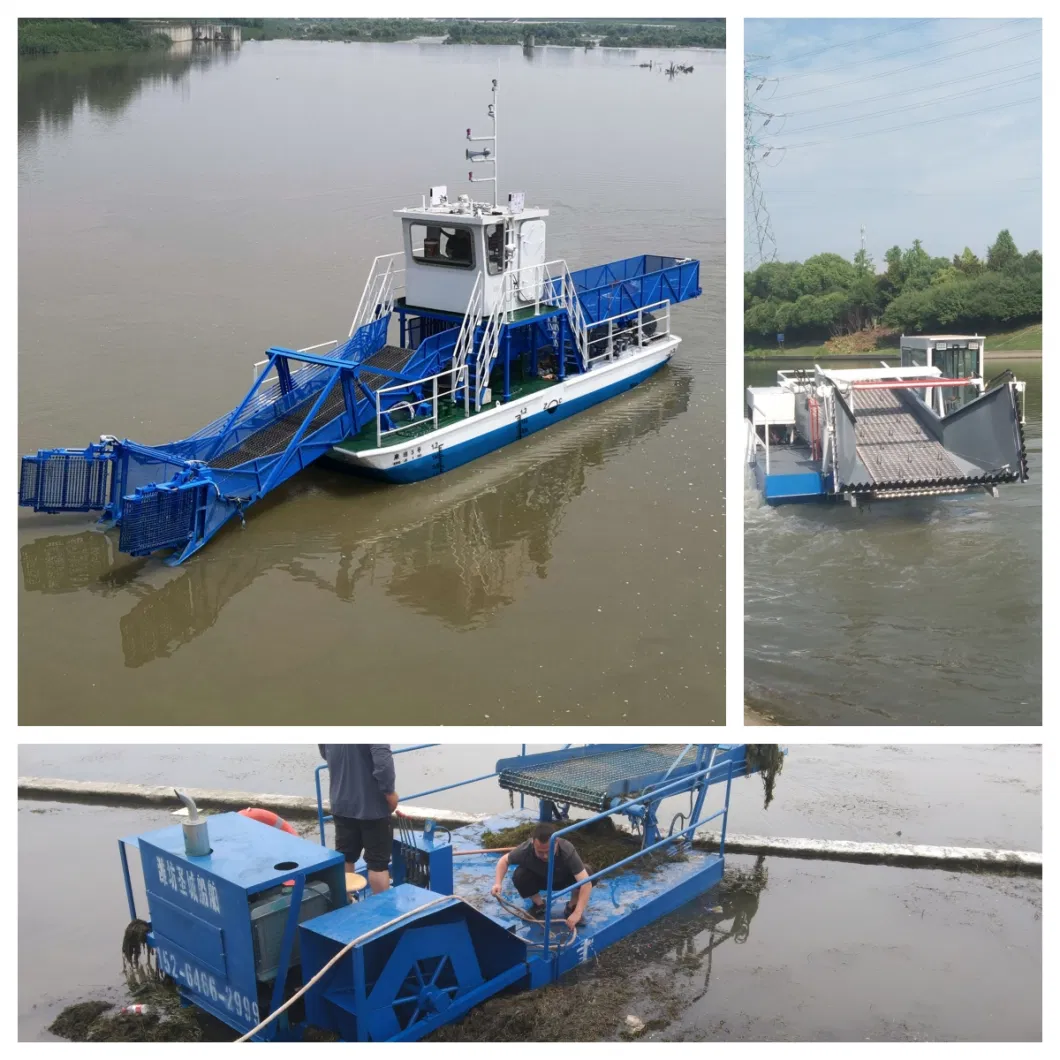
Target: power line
x,y
916,106
911,124
847,44
920,88
909,51
905,69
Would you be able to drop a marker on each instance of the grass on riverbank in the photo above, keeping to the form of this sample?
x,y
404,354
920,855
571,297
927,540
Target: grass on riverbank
x,y
49,36
1027,339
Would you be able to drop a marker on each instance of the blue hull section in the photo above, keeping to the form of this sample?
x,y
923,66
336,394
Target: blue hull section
x,y
458,455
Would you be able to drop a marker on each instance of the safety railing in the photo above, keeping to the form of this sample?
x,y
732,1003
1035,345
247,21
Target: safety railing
x,y
756,442
299,375
465,340
657,793
457,378
323,818
620,339
385,281
487,352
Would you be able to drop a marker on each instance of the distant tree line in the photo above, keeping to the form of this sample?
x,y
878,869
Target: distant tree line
x,y
828,296
48,36
609,33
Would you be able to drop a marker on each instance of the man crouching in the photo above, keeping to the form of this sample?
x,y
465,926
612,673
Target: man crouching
x,y
531,874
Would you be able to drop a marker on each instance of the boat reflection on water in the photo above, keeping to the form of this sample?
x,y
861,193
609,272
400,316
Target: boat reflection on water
x,y
457,550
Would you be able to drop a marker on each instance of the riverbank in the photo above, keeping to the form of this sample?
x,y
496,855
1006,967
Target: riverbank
x,y
804,353
584,33
1018,344
51,36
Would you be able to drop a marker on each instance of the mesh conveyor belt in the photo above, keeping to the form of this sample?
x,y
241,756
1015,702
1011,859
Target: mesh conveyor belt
x,y
585,781
892,444
276,436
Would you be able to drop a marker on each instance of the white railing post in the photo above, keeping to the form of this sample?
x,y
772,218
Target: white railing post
x,y
435,402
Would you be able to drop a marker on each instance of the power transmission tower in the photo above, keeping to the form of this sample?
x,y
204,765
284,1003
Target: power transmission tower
x,y
760,244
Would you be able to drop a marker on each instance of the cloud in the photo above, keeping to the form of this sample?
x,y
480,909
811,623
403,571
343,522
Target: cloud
x,y
918,129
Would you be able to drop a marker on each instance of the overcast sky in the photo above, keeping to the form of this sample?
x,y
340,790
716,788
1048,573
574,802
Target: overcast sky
x,y
975,169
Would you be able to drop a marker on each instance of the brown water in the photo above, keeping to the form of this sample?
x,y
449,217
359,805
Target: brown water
x,y
828,950
178,215
915,612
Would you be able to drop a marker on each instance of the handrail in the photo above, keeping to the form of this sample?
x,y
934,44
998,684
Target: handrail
x,y
656,794
765,423
383,277
638,327
459,377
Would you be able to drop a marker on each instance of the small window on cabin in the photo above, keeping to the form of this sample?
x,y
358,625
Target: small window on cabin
x,y
443,245
495,249
913,358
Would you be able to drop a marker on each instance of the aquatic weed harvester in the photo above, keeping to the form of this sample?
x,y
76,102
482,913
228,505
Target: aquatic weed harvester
x,y
255,926
927,428
494,342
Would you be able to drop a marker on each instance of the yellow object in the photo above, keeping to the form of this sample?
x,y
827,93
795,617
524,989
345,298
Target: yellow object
x,y
355,882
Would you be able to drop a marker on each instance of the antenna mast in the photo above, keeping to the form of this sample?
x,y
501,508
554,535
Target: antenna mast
x,y
486,154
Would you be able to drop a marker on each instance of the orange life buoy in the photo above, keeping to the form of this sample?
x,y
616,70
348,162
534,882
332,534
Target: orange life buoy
x,y
269,818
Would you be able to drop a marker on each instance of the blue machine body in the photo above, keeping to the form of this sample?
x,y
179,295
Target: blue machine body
x,y
427,950
423,858
441,959
200,910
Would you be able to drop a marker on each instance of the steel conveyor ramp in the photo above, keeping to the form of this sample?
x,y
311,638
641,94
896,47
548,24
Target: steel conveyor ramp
x,y
890,443
594,776
893,445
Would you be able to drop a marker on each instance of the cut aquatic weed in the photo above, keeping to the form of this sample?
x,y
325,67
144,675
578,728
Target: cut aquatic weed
x,y
768,759
600,844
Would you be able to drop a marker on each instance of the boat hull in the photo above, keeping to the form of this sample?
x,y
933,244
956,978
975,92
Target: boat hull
x,y
460,443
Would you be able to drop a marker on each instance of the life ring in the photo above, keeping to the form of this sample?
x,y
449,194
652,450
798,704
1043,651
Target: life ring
x,y
274,820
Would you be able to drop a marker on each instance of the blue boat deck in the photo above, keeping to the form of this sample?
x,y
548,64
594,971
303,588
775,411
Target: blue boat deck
x,y
793,474
620,903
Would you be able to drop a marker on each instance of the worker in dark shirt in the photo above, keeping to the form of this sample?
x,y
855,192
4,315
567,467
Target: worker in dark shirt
x,y
361,792
531,873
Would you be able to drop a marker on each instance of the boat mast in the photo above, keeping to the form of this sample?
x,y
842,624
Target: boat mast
x,y
486,154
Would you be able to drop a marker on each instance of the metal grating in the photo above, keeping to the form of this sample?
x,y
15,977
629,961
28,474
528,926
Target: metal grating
x,y
894,447
159,518
64,482
586,781
276,436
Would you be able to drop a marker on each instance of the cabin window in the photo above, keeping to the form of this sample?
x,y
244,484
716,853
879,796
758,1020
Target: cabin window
x,y
913,358
451,245
495,249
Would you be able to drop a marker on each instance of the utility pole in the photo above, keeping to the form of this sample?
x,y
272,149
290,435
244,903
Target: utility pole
x,y
760,245
863,238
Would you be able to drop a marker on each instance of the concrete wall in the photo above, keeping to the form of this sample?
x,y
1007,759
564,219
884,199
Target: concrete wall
x,y
185,32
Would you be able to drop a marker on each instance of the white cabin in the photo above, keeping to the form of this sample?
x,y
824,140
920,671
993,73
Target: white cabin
x,y
449,245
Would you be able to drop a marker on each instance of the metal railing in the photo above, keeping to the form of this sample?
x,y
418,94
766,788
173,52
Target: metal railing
x,y
323,818
755,440
465,340
489,347
632,334
656,793
299,374
457,378
384,282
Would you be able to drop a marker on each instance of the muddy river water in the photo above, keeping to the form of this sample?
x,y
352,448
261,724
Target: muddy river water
x,y
825,951
925,611
178,214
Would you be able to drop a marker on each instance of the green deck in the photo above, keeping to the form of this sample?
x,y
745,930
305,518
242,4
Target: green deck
x,y
448,413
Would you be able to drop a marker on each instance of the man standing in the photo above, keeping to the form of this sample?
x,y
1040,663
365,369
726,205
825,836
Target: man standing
x,y
531,874
362,796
